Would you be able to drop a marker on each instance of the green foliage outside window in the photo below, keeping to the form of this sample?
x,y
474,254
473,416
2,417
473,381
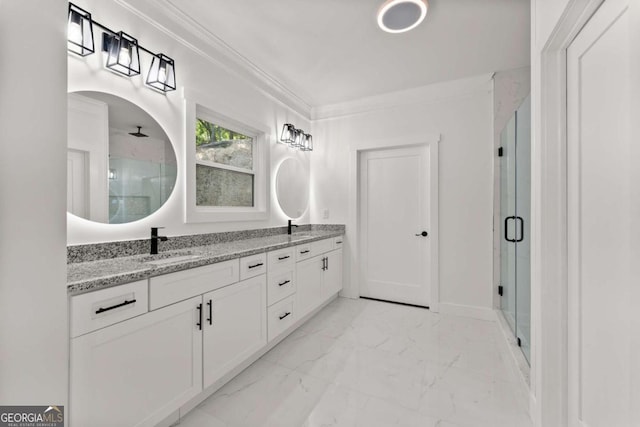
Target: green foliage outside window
x,y
207,133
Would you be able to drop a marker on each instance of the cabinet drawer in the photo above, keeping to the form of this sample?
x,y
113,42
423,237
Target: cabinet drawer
x,y
338,242
102,308
254,265
173,287
281,316
303,252
281,260
280,285
321,247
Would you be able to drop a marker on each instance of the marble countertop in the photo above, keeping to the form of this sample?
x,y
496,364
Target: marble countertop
x,y
89,276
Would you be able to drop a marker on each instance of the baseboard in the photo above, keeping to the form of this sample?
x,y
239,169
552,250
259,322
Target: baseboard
x,y
482,313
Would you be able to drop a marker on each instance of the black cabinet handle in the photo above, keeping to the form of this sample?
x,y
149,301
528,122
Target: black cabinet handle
x,y
423,234
338,242
327,262
256,265
506,227
210,319
284,315
199,324
521,229
283,257
284,283
122,304
304,252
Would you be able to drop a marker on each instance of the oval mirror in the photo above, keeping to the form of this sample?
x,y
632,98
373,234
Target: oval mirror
x,y
292,187
121,166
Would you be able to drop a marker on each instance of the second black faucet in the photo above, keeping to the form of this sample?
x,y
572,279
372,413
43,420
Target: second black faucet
x,y
289,225
155,238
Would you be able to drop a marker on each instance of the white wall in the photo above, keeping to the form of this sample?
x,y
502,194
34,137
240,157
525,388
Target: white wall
x,y
227,93
33,123
461,112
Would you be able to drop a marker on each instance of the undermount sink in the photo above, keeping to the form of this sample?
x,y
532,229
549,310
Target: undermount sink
x,y
169,258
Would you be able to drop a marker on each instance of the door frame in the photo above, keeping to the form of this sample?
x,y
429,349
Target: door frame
x,y
549,256
353,230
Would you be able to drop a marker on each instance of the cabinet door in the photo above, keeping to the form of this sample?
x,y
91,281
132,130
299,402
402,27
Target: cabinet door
x,y
137,372
308,285
234,325
332,281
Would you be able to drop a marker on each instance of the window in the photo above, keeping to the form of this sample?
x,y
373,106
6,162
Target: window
x,y
227,163
224,166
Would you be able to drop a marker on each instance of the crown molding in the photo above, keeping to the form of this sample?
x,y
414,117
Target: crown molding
x,y
432,93
164,15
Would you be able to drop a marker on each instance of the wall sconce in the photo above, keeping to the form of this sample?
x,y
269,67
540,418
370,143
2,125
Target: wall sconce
x,y
162,73
122,53
288,132
122,50
296,138
80,36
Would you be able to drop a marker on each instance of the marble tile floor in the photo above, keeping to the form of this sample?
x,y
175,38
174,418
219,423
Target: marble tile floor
x,y
367,363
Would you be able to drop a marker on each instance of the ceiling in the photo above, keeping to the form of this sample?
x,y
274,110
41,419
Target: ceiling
x,y
332,51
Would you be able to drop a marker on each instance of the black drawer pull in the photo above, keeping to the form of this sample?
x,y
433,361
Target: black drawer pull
x,y
102,310
284,283
283,257
210,319
339,242
256,265
304,252
199,324
284,315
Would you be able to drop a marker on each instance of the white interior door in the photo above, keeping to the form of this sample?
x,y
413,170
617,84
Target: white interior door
x,y
398,195
600,191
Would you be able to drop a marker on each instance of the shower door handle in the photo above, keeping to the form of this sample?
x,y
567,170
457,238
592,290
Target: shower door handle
x,y
521,229
506,228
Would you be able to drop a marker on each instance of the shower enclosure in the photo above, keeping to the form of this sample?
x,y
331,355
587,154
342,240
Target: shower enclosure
x,y
515,209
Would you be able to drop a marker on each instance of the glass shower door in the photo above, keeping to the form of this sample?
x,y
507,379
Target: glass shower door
x,y
523,216
515,211
507,214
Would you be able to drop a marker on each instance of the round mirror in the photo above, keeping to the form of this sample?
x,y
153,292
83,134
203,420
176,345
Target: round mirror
x,y
121,166
292,187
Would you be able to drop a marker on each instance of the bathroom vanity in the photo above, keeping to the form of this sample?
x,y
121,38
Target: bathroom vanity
x,y
153,336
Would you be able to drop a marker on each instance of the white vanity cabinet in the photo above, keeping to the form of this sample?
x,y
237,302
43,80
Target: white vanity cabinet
x,y
319,277
137,372
234,326
142,351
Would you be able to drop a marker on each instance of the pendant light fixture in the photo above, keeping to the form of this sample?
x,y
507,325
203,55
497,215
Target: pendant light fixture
x,y
399,16
79,31
122,50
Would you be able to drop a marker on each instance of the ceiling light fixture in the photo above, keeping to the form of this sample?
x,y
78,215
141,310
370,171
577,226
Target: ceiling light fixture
x,y
399,16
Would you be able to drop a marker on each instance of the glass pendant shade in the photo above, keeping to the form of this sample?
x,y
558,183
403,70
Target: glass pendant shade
x,y
288,133
162,74
79,31
298,137
122,54
308,142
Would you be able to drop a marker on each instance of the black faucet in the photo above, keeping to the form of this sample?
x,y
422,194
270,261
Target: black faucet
x,y
289,225
155,238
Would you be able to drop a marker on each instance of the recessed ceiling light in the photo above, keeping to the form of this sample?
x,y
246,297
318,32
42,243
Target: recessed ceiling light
x,y
398,16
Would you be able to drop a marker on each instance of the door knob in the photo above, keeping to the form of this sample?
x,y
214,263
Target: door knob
x,y
423,234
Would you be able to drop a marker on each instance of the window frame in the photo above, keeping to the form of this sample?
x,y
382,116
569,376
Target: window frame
x,y
209,110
